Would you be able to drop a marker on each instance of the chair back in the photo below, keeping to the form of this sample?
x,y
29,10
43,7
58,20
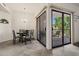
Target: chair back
x,y
27,32
14,36
21,30
32,33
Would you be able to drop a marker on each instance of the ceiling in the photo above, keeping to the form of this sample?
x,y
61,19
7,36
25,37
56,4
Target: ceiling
x,y
32,8
2,8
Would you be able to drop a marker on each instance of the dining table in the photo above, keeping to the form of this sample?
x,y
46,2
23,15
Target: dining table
x,y
21,35
25,36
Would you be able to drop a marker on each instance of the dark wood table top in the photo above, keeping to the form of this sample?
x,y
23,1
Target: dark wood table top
x,y
21,34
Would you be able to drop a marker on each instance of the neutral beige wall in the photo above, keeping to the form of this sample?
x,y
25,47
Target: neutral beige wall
x,y
76,30
23,20
5,29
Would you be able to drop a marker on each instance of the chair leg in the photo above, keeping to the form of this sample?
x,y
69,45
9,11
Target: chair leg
x,y
19,40
22,41
14,41
29,40
25,42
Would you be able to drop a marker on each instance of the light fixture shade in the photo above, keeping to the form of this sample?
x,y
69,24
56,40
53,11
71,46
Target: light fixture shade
x,y
4,21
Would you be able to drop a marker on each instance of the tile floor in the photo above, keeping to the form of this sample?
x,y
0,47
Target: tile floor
x,y
36,49
67,50
30,49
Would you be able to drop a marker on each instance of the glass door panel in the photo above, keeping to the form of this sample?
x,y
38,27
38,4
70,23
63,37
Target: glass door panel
x,y
56,28
61,28
41,28
67,28
37,22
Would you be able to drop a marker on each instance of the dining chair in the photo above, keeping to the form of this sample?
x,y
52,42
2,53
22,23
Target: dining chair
x,y
15,37
27,36
32,34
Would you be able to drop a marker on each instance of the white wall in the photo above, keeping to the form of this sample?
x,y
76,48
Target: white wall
x,y
76,30
5,29
23,20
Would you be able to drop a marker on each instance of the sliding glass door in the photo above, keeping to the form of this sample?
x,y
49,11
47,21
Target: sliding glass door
x,y
37,27
61,28
41,28
67,28
57,28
